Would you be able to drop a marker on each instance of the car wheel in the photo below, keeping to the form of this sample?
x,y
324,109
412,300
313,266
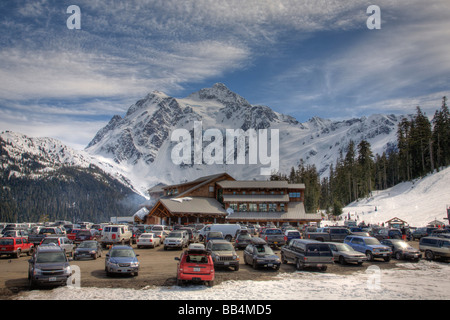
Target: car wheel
x,y
299,265
18,253
429,255
398,255
323,268
369,256
211,283
255,265
228,238
236,267
342,260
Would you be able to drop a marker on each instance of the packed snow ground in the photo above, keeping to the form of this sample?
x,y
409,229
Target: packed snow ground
x,y
413,281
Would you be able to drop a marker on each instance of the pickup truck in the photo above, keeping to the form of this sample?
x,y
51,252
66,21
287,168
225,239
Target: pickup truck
x,y
307,253
273,236
334,234
36,239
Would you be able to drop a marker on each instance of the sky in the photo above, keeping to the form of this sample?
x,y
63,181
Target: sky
x,y
304,58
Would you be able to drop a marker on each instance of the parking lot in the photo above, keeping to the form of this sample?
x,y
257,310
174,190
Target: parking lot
x,y
158,268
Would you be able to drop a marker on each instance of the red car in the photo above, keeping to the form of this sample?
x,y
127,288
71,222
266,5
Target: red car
x,y
15,246
72,235
196,265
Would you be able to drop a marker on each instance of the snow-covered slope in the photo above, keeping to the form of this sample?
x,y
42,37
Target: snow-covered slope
x,y
418,202
36,158
140,141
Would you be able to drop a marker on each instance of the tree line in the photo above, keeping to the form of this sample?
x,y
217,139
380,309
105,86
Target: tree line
x,y
423,146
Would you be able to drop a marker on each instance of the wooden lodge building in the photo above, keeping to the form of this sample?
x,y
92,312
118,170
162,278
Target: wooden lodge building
x,y
221,199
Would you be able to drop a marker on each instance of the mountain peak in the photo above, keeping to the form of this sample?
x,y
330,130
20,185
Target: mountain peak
x,y
220,93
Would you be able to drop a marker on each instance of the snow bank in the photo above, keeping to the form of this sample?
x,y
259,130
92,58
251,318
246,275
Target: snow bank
x,y
413,281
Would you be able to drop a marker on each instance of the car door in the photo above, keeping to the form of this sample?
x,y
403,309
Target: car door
x,y
358,244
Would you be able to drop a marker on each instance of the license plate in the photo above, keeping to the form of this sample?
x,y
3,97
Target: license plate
x,y
276,242
270,265
226,263
3,248
52,279
319,266
384,254
197,269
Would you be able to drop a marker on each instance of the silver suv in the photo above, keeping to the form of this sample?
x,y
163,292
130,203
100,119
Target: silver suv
x,y
48,266
223,254
435,247
176,239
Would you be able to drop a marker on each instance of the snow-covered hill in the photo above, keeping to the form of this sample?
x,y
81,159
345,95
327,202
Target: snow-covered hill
x,y
140,142
417,202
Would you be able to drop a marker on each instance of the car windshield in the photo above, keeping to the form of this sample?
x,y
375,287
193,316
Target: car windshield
x,y
222,247
244,237
197,258
371,241
6,242
174,235
215,234
147,235
51,257
317,249
84,233
343,247
273,231
120,253
87,244
293,234
264,250
49,240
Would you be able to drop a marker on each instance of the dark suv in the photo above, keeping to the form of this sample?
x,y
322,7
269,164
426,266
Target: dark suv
x,y
48,266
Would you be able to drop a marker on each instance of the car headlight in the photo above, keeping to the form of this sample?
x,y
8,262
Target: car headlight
x,y
134,264
37,272
68,270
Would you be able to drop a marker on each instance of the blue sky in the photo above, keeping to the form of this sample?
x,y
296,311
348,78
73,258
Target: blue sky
x,y
304,58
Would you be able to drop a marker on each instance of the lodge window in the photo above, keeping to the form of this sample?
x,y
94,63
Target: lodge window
x,y
282,207
243,207
253,207
294,194
272,207
234,206
263,207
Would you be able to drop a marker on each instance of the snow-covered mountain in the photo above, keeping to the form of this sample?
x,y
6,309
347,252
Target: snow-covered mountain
x,y
140,142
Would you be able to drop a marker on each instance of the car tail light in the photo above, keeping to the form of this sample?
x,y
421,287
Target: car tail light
x,y
266,238
113,236
285,238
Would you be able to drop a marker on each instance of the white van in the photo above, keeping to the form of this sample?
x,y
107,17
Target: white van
x,y
229,231
116,234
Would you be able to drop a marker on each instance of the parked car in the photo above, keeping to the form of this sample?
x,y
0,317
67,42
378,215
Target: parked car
x,y
15,233
435,247
223,254
402,250
148,240
422,232
88,248
334,234
63,242
196,265
15,246
388,234
116,234
176,239
121,260
86,234
213,235
242,241
48,266
259,254
292,234
229,231
73,234
273,237
36,239
160,234
193,234
343,253
307,253
370,246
